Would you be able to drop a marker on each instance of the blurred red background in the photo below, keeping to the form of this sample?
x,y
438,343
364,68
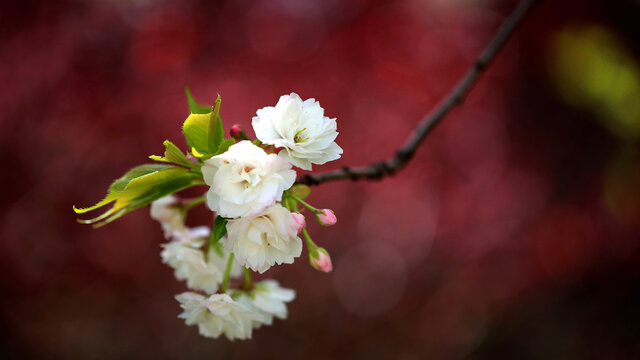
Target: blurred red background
x,y
513,233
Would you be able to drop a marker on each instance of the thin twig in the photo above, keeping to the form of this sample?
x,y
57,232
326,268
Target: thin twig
x,y
390,166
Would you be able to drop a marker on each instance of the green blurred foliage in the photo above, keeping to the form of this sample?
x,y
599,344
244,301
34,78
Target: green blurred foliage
x,y
593,70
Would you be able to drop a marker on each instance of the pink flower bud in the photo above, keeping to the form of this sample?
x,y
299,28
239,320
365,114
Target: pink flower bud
x,y
299,218
326,217
321,261
236,131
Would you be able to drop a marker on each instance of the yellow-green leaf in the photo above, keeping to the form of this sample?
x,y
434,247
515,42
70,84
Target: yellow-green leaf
x,y
173,154
139,187
302,191
196,131
216,130
194,107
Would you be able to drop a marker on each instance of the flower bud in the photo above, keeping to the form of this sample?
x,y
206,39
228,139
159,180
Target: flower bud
x,y
300,222
326,217
320,260
238,133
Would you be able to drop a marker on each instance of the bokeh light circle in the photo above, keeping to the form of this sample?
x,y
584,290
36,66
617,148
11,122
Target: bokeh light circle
x,y
370,278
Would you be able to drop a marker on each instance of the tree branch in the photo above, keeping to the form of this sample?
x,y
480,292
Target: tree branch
x,y
390,166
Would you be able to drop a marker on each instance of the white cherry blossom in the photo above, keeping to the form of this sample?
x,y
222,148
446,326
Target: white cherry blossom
x,y
301,129
188,261
269,299
265,239
189,265
218,314
169,216
245,180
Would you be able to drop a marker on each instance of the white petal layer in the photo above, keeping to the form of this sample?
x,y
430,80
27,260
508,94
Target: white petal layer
x,y
300,129
189,263
245,180
269,299
218,314
265,239
170,217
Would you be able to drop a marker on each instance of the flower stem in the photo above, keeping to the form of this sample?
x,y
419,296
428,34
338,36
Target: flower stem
x,y
289,203
311,246
227,273
191,203
247,284
305,204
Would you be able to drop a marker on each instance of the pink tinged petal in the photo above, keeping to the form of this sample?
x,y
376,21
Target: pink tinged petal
x,y
300,222
326,217
322,261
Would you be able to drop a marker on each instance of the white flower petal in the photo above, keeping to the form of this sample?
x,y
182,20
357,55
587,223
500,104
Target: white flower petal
x,y
170,217
218,314
189,265
269,300
300,128
265,239
245,180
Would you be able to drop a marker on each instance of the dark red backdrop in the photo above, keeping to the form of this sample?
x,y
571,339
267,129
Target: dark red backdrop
x,y
513,233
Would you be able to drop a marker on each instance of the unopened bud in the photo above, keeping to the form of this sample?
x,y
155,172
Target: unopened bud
x,y
238,133
321,261
300,222
326,217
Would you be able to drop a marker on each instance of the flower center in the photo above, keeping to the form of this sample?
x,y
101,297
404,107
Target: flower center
x,y
298,137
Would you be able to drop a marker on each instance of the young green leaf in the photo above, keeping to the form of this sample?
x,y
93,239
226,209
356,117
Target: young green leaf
x,y
196,131
289,202
216,130
205,133
224,145
292,205
194,107
139,187
219,230
173,154
302,191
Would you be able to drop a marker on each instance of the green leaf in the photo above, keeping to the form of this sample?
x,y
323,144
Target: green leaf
x,y
289,202
196,131
173,154
292,205
217,130
219,230
194,107
224,145
119,185
139,187
302,191
205,133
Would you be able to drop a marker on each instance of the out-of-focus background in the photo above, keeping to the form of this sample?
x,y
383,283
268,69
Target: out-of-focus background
x,y
513,233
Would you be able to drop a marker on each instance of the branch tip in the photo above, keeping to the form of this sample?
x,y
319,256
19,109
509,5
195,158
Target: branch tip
x,y
455,97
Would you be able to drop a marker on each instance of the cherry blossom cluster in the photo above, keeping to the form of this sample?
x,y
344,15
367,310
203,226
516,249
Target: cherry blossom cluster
x,y
259,220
